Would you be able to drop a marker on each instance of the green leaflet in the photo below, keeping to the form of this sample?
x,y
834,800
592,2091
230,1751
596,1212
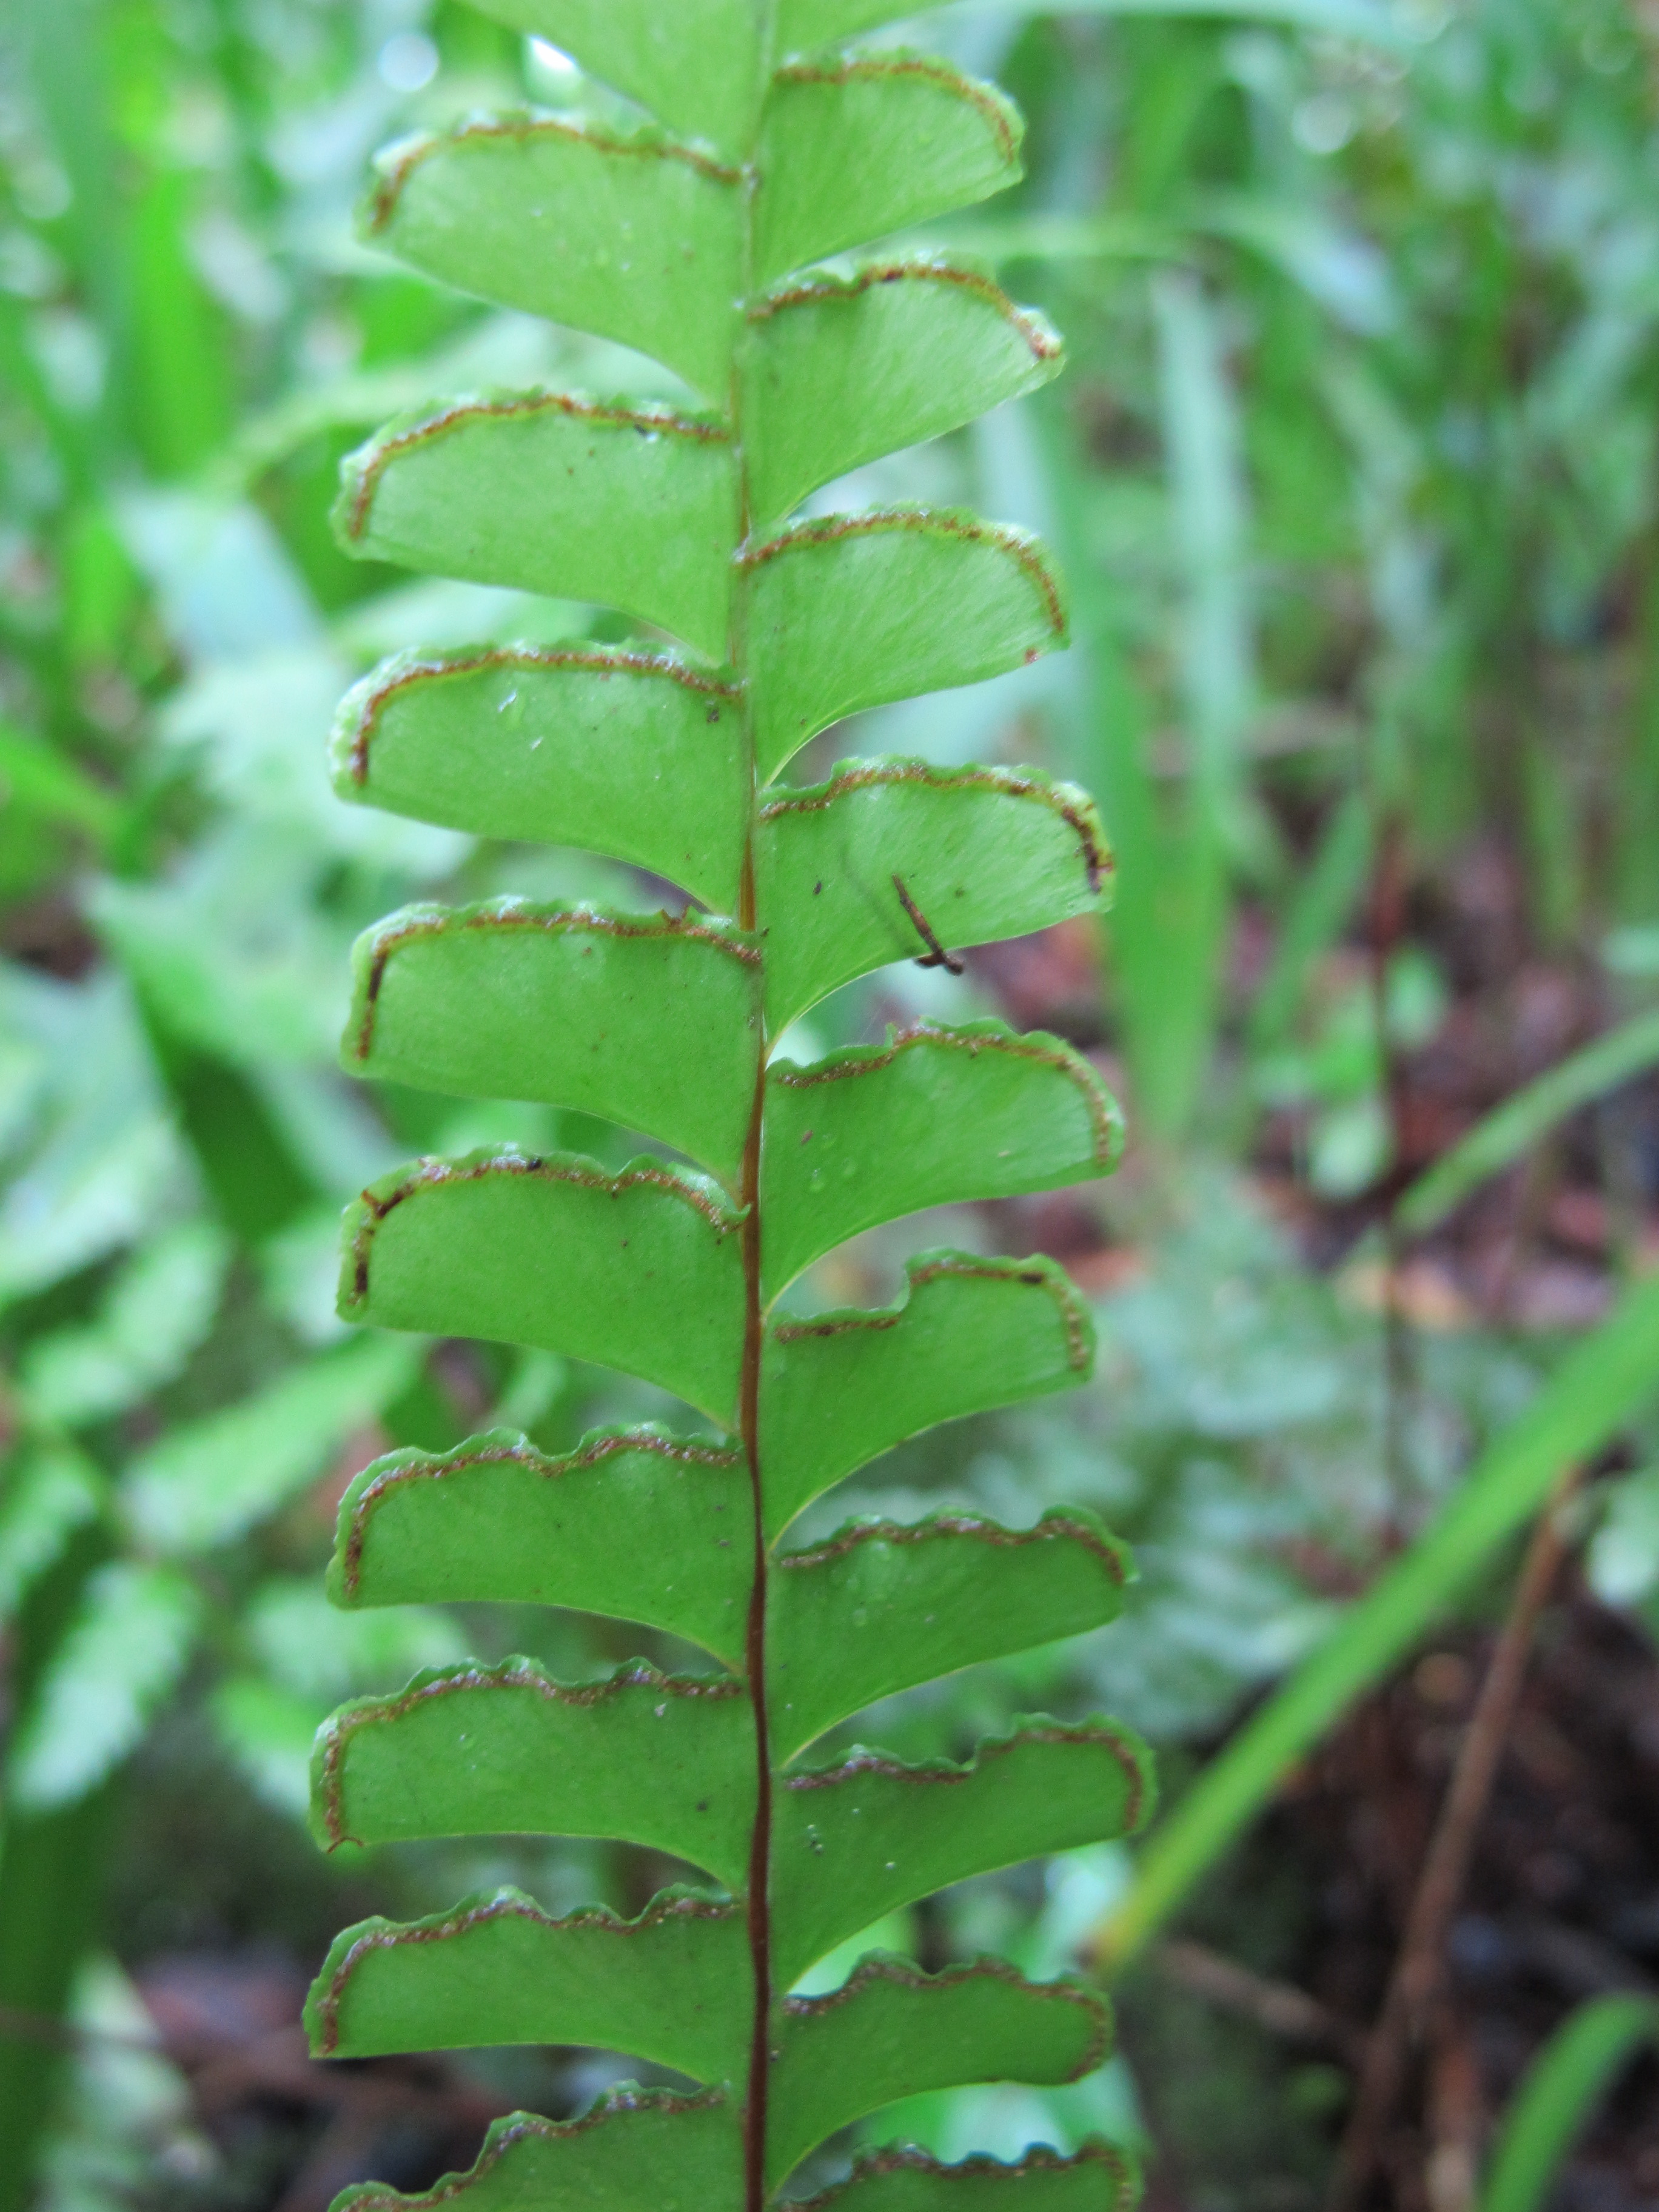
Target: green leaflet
x,y
628,507
841,370
634,755
858,1840
1099,2178
932,1117
631,237
635,1523
649,1273
803,23
853,146
969,1334
855,610
699,67
635,2146
650,1020
895,860
881,1606
667,1760
892,2032
669,1986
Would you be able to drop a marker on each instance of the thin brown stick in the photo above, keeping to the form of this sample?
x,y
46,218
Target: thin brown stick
x,y
1538,1180
1421,1964
1280,2007
757,1904
1456,2116
760,1851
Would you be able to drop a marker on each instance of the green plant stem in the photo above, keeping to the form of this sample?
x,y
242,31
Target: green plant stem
x,y
1328,889
1600,1384
1518,1124
51,1872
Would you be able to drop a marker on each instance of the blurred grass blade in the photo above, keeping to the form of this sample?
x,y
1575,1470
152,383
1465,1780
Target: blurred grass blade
x,y
1315,916
1069,238
1559,2091
1209,531
1600,1384
50,1899
1169,924
37,778
1165,925
1334,264
182,373
1360,20
1518,1124
1173,916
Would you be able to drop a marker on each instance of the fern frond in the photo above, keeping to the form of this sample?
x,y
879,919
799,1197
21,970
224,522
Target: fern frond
x,y
698,238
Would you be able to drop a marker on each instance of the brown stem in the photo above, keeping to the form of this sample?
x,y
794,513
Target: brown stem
x,y
760,1848
757,1899
1456,2117
1420,1965
1277,2006
1539,1179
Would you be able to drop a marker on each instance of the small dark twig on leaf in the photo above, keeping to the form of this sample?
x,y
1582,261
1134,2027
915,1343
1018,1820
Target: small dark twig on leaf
x,y
937,956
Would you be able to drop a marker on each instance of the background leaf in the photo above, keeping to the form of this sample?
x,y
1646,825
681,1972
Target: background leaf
x,y
124,1650
211,1480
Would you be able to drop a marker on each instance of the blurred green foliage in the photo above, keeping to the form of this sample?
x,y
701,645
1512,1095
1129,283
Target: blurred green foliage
x,y
1354,483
